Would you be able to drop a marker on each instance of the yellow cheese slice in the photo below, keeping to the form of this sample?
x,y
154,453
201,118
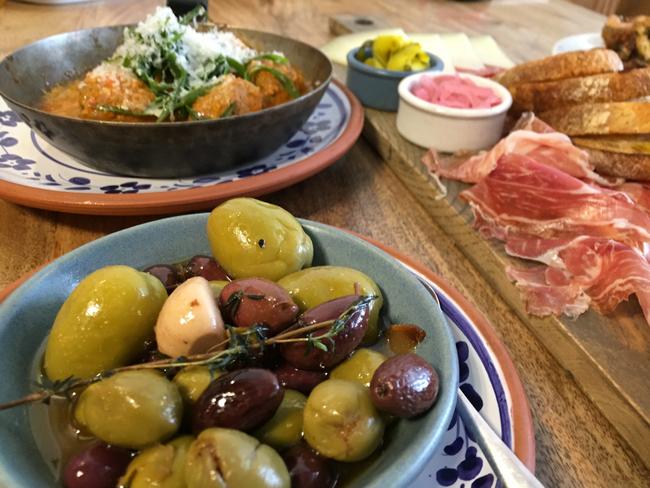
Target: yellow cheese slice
x,y
489,52
461,51
433,43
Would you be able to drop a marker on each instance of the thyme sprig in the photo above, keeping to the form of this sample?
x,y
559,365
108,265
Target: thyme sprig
x,y
242,344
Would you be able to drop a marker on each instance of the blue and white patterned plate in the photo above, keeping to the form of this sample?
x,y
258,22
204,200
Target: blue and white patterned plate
x,y
28,160
31,169
460,462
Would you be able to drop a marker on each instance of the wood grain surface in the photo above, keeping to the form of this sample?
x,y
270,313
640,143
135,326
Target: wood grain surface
x,y
576,445
608,355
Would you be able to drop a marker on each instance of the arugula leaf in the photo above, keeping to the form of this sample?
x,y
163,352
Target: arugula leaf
x,y
276,58
120,110
237,67
284,80
230,109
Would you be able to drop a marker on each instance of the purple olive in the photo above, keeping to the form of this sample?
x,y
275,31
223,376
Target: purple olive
x,y
308,469
99,466
242,400
299,379
302,356
252,301
206,267
404,386
168,275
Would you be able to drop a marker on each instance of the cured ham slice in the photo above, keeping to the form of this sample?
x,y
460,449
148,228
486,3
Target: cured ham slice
x,y
550,148
585,270
538,194
528,121
639,192
524,196
544,299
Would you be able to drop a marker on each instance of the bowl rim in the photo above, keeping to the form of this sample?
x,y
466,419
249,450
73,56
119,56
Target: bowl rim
x,y
408,97
420,448
436,64
182,123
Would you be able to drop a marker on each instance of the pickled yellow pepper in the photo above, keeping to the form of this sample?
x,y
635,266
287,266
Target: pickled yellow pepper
x,y
394,53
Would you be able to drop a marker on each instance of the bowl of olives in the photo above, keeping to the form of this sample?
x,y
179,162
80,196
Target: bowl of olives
x,y
232,349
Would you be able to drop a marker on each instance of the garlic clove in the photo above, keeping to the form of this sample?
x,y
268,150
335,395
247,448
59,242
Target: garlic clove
x,y
190,321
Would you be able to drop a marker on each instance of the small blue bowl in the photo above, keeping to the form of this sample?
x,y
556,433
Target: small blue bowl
x,y
376,87
27,315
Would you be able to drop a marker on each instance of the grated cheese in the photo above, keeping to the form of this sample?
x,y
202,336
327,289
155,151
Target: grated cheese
x,y
196,52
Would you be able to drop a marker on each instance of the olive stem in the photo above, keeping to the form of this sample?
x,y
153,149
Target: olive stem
x,y
37,396
289,341
299,331
288,335
194,360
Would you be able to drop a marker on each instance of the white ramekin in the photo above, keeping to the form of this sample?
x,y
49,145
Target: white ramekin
x,y
450,129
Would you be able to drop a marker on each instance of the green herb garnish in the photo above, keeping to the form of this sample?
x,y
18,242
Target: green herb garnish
x,y
242,344
276,58
284,80
230,109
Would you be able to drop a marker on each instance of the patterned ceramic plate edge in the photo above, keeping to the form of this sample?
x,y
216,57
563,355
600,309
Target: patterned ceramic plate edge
x,y
196,198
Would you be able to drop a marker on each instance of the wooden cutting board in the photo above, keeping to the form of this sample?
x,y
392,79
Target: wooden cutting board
x,y
609,356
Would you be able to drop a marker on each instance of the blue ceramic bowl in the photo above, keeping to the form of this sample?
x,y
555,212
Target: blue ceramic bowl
x,y
26,317
377,88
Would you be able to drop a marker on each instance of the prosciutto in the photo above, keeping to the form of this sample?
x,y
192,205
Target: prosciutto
x,y
527,197
544,299
528,121
538,194
581,272
549,148
639,192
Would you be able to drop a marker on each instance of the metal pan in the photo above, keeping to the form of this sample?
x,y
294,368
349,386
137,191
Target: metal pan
x,y
163,150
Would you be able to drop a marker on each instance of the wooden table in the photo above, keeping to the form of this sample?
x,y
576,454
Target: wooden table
x,y
576,446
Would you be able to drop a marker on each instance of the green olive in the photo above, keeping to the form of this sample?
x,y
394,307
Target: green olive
x,y
285,427
313,286
359,367
192,381
160,466
250,238
131,409
227,458
217,286
341,422
104,323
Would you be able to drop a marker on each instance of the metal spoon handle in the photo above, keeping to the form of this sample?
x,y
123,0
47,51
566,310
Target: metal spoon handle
x,y
509,469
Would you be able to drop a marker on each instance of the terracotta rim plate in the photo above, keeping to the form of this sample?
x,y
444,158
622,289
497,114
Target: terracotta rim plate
x,y
515,424
35,174
487,377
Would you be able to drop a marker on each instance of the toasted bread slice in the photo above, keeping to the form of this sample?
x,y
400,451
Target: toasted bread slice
x,y
600,118
625,144
562,66
608,87
628,166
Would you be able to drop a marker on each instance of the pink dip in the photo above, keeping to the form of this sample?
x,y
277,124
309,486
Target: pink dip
x,y
454,91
